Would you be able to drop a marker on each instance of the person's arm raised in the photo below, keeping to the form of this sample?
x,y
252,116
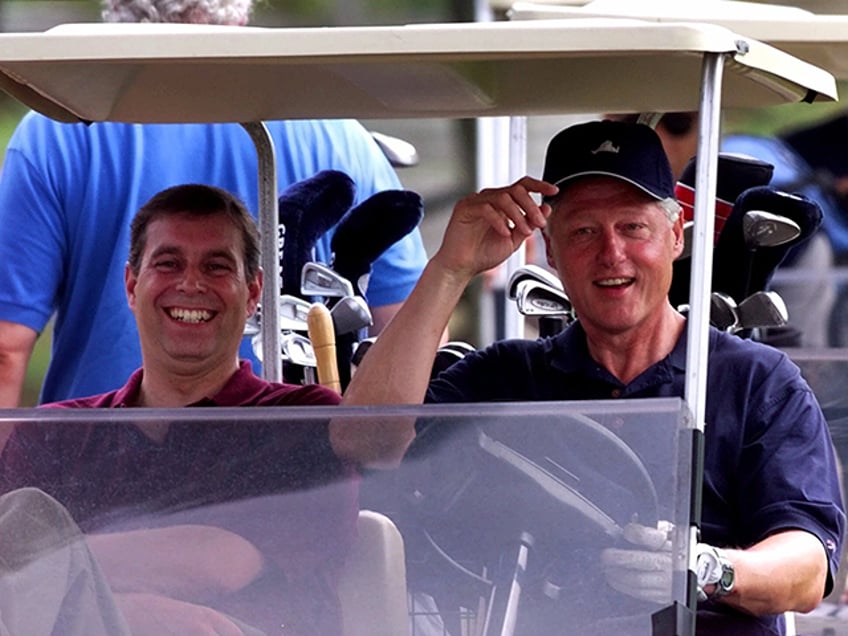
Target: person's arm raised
x,y
484,229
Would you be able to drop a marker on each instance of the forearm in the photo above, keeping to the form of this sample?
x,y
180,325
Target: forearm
x,y
187,562
396,370
785,572
16,344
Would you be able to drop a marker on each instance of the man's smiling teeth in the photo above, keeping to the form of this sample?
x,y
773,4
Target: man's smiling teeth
x,y
612,282
190,315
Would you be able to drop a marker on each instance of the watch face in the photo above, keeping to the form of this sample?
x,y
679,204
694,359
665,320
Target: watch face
x,y
725,583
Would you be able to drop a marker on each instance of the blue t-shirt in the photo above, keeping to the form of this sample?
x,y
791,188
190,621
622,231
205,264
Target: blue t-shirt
x,y
769,461
68,193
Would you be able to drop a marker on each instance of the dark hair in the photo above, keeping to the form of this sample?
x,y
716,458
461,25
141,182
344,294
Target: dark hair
x,y
196,200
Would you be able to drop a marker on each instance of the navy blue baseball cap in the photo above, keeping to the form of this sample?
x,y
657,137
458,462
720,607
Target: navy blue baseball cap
x,y
627,151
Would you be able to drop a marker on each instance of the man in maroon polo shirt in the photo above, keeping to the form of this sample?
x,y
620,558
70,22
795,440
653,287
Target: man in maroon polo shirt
x,y
232,527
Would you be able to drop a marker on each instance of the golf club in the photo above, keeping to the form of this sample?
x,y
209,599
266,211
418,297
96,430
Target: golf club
x,y
762,309
723,312
319,280
534,298
307,209
531,272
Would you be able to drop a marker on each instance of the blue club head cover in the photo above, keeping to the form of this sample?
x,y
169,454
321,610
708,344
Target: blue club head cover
x,y
732,257
736,173
308,209
370,228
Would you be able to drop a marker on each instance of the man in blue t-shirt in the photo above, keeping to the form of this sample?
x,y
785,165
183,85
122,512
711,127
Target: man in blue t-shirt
x,y
68,193
772,512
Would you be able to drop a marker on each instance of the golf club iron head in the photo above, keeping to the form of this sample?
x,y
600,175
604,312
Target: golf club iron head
x,y
293,313
531,272
723,312
351,313
297,349
766,229
762,309
319,280
534,298
361,349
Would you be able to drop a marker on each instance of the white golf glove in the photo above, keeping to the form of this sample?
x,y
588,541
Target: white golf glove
x,y
645,572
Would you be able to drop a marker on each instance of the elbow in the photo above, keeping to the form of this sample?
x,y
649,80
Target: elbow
x,y
809,598
370,442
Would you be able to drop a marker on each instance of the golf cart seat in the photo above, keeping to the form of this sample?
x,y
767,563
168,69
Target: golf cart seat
x,y
372,589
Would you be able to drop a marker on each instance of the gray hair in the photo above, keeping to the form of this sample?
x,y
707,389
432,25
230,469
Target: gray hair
x,y
225,12
671,208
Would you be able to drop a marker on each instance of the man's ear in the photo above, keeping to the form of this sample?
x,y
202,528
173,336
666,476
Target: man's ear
x,y
130,282
254,292
548,251
677,228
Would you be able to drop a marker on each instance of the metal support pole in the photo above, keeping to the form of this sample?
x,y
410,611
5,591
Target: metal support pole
x,y
269,234
706,179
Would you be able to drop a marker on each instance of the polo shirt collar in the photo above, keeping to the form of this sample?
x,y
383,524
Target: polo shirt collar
x,y
242,385
569,353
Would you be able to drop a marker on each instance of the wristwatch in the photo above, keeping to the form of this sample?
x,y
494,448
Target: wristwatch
x,y
713,567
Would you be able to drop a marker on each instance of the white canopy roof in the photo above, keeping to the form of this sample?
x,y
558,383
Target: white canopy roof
x,y
173,73
821,40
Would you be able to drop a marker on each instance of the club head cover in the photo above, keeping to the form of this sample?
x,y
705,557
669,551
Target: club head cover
x,y
370,228
735,174
308,209
731,249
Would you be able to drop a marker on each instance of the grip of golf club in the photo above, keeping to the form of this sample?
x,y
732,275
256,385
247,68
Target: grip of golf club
x,y
319,323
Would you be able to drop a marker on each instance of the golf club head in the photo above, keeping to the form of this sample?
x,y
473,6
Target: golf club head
x,y
531,272
765,229
350,314
293,313
723,312
361,349
736,173
308,209
297,349
762,309
319,280
758,264
399,152
538,299
370,228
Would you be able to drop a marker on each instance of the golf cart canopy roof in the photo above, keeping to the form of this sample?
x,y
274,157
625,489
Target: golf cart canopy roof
x,y
179,73
821,40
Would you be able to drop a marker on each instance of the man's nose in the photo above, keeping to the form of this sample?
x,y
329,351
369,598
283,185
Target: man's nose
x,y
192,280
611,248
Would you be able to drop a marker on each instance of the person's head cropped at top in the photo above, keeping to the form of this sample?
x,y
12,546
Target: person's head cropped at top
x,y
193,277
678,132
222,12
615,227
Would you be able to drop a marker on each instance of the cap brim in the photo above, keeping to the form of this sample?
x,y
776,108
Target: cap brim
x,y
601,173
